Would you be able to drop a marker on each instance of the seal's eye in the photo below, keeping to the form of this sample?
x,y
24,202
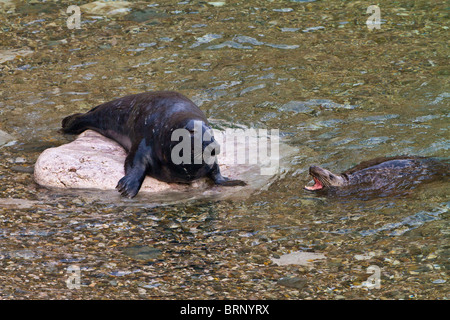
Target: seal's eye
x,y
331,177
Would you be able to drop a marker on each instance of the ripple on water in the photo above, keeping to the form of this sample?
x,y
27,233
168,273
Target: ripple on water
x,y
440,98
229,44
311,29
76,66
247,39
207,38
372,141
410,222
314,104
289,29
437,146
238,42
272,221
376,119
147,44
20,254
283,10
253,88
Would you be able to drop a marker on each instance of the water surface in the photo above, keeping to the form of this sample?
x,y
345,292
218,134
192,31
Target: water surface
x,y
339,93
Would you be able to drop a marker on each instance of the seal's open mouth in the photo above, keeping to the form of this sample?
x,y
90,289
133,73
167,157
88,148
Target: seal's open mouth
x,y
317,186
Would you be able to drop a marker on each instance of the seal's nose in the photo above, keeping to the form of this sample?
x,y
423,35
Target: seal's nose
x,y
313,169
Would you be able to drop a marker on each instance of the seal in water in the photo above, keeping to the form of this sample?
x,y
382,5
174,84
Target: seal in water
x,y
380,176
143,124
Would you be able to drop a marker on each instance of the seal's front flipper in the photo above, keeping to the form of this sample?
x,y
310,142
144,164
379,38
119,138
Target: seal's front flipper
x,y
224,181
137,163
227,182
129,185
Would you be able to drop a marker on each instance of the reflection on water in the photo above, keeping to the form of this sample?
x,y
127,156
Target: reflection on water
x,y
338,93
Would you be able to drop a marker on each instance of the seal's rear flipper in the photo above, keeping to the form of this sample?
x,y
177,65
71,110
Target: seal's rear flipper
x,y
227,182
76,123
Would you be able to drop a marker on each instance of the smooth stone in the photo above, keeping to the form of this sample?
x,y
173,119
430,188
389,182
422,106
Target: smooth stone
x,y
16,203
298,258
107,8
142,252
7,5
11,54
5,138
292,282
217,3
22,169
145,15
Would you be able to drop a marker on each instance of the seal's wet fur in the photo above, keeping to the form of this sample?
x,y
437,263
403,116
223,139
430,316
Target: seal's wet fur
x,y
383,176
143,124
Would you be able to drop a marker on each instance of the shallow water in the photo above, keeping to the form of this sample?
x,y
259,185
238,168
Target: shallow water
x,y
339,93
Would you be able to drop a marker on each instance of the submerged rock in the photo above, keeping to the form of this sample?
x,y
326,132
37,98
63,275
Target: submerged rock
x,y
216,3
7,5
142,252
5,138
298,258
107,8
11,54
16,203
293,282
145,15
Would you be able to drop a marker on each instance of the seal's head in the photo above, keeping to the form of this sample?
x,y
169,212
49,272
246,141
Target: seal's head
x,y
204,147
324,179
195,154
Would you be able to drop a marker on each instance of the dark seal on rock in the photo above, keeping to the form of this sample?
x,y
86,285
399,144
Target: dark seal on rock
x,y
380,176
144,125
